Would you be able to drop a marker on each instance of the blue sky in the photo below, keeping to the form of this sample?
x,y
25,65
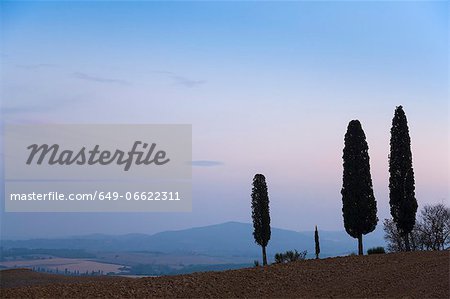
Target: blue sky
x,y
268,87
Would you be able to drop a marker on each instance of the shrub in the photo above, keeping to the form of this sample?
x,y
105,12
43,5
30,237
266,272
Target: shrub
x,y
290,256
278,258
256,263
376,250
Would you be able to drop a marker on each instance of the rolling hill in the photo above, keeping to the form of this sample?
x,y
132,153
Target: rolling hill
x,y
226,239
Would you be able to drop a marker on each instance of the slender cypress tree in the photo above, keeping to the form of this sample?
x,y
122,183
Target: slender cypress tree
x,y
359,207
260,213
402,197
316,240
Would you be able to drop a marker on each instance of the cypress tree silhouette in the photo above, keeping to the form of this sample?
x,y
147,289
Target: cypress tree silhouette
x,y
316,240
260,213
359,207
401,181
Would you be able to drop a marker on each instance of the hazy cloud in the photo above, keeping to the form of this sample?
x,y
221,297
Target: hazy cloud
x,y
206,163
186,81
35,66
181,80
87,77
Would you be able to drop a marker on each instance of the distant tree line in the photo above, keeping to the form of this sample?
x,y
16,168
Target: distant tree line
x,y
68,272
41,253
158,269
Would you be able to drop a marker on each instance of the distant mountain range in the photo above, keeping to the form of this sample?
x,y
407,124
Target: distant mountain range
x,y
226,239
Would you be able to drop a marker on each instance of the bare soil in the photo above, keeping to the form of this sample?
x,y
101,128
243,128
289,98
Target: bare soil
x,y
399,275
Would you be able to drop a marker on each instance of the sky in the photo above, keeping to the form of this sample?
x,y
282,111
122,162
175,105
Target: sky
x,y
269,87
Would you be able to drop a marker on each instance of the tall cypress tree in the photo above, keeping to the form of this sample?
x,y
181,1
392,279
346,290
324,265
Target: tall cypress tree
x,y
260,213
359,207
316,240
402,197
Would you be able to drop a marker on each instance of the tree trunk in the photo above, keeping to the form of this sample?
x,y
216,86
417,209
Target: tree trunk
x,y
264,255
317,256
413,242
360,245
407,247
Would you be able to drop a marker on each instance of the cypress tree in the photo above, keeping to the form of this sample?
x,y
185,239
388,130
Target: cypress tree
x,y
401,181
260,213
316,240
359,207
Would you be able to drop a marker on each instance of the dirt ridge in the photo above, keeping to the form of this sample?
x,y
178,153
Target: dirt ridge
x,y
413,274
